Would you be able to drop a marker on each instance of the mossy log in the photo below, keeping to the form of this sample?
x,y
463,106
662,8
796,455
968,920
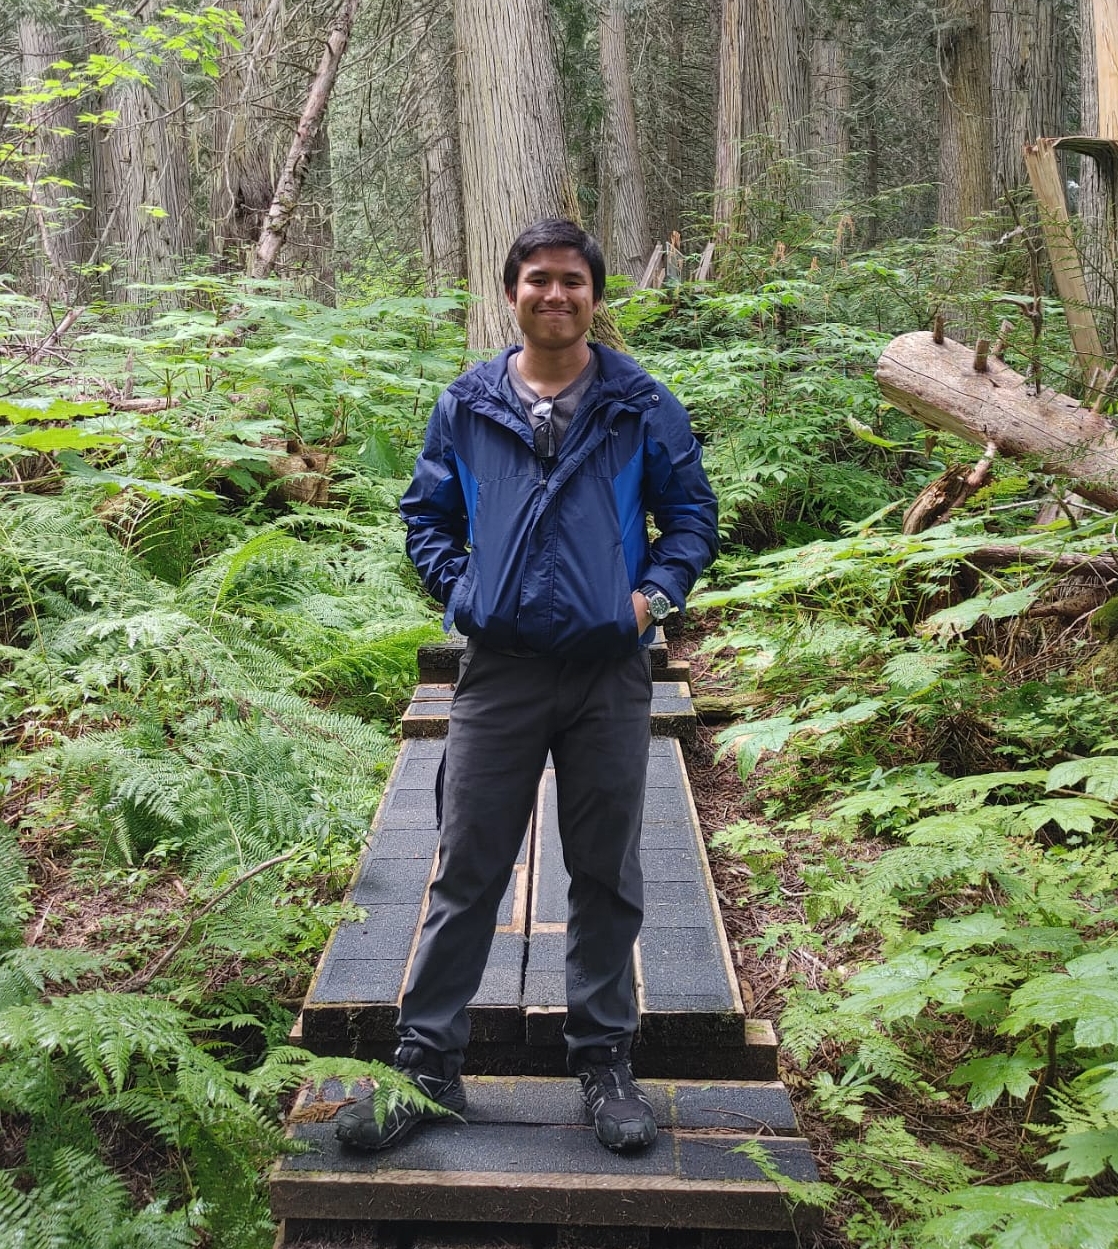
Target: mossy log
x,y
938,385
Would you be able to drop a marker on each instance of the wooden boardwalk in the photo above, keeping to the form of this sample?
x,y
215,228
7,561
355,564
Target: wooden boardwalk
x,y
526,1155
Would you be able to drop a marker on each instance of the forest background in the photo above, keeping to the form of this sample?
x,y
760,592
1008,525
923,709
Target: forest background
x,y
208,624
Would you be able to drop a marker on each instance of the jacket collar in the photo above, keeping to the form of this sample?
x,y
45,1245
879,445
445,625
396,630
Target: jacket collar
x,y
486,386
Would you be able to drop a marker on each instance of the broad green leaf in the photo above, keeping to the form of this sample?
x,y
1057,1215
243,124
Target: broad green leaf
x,y
979,787
966,932
750,741
999,1073
60,438
1099,774
116,482
897,989
46,408
1011,604
1023,1216
1086,996
381,454
1073,815
1084,1155
866,434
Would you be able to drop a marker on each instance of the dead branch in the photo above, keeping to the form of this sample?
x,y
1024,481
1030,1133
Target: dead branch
x,y
937,384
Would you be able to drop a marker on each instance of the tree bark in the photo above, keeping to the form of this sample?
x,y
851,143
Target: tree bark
x,y
966,138
1096,241
868,89
623,209
142,213
776,89
285,199
830,112
259,94
58,225
1027,83
440,170
511,141
729,120
938,386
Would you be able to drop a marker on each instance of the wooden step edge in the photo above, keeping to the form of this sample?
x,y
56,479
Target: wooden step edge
x,y
369,1032
428,717
438,661
538,1197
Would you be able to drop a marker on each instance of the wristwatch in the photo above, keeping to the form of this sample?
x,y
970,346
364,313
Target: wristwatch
x,y
659,605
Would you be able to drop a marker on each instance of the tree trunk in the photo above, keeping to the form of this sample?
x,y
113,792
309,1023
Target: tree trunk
x,y
1027,83
440,171
937,385
141,183
58,227
966,140
671,195
1095,215
512,146
729,120
830,112
776,89
286,196
623,211
259,95
867,90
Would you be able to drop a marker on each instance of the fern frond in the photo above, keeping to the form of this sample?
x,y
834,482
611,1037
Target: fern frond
x,y
15,888
26,971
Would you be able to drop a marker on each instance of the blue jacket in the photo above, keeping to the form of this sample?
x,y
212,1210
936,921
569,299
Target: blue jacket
x,y
523,559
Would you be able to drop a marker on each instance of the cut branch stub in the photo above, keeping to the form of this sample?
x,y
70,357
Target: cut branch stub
x,y
937,385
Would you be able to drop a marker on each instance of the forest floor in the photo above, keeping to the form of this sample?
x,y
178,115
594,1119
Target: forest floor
x,y
768,970
138,911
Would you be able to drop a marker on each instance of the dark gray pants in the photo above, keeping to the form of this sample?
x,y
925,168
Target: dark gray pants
x,y
508,712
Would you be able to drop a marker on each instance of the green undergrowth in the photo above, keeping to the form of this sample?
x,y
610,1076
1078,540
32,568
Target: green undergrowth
x,y
208,629
930,763
201,674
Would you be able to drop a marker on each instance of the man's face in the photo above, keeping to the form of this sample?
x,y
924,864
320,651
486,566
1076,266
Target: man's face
x,y
554,298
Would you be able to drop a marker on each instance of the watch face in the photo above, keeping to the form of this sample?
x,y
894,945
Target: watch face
x,y
659,605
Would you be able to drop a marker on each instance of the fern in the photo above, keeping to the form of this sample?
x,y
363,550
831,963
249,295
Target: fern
x,y
83,1205
15,887
1024,1215
27,970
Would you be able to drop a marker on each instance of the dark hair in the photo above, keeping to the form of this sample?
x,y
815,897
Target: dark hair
x,y
555,232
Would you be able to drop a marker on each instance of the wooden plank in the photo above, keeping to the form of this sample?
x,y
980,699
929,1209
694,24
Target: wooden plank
x,y
702,273
687,984
1106,66
352,1002
438,661
1067,270
428,714
650,269
527,1155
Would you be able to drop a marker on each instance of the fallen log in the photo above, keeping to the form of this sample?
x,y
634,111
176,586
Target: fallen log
x,y
937,384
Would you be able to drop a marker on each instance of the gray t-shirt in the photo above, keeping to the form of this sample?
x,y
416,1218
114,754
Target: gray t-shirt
x,y
565,403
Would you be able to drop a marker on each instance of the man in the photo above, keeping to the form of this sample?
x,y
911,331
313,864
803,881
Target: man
x,y
526,519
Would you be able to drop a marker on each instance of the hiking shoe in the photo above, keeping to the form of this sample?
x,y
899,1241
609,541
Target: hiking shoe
x,y
622,1114
356,1125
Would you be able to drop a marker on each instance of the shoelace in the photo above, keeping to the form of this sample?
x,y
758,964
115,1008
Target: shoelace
x,y
607,1074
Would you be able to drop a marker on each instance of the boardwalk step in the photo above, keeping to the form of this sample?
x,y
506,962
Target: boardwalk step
x,y
526,1155
692,1023
438,661
429,710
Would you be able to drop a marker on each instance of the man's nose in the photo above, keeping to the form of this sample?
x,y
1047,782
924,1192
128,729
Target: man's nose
x,y
554,291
